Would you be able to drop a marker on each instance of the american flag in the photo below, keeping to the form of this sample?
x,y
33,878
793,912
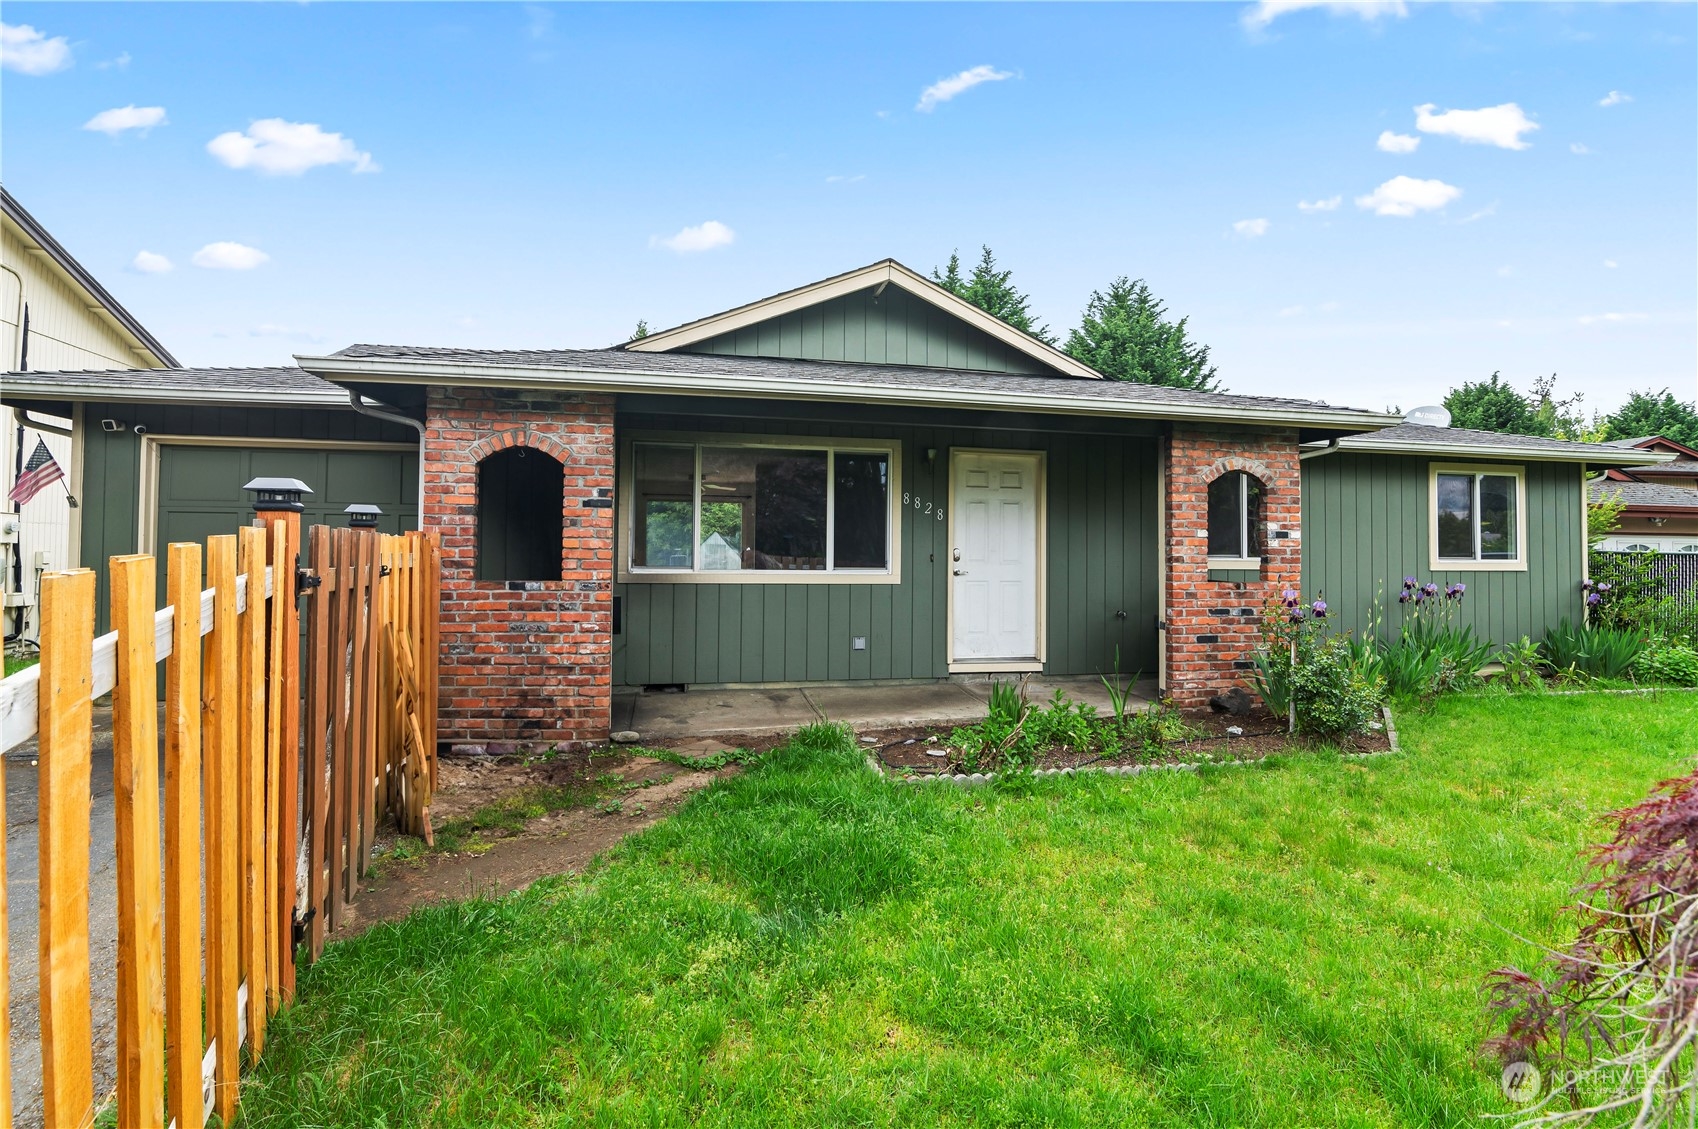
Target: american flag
x,y
40,472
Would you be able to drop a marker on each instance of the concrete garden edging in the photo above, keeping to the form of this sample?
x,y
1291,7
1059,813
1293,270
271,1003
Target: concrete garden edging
x,y
980,779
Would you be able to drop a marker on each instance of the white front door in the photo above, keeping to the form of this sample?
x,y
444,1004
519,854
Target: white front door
x,y
994,566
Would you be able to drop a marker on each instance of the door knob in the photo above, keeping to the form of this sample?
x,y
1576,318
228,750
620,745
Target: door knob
x,y
960,572
956,555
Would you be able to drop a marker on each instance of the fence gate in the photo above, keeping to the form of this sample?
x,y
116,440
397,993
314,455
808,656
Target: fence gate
x,y
268,762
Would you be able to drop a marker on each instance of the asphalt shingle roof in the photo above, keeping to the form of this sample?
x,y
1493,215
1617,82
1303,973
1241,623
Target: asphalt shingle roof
x,y
1408,433
1647,494
708,366
282,382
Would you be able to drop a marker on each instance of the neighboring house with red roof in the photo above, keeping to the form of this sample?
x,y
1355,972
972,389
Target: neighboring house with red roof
x,y
1662,499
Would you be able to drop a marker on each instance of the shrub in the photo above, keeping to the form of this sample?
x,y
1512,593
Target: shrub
x,y
1328,685
1522,666
1667,662
1597,652
1623,592
1433,653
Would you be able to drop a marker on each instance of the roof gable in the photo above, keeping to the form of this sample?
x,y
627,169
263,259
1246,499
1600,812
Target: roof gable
x,y
880,314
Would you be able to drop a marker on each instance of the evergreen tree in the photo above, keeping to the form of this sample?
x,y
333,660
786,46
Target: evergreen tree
x,y
641,331
1125,335
1494,405
992,291
1654,413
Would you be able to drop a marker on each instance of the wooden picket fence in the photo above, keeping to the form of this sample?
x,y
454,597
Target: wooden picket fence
x,y
260,767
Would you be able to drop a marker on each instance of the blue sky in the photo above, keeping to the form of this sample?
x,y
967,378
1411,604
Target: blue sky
x,y
518,175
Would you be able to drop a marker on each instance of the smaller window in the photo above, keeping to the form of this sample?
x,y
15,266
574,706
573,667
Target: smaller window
x,y
1639,547
519,516
1476,517
1235,517
1692,548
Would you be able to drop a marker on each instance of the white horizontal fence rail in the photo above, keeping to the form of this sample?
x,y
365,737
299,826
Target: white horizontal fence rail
x,y
20,695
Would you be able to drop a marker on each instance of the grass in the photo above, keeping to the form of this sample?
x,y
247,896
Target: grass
x,y
1301,942
15,663
508,815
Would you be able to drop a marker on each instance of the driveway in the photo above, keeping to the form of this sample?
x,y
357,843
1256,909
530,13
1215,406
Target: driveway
x,y
22,907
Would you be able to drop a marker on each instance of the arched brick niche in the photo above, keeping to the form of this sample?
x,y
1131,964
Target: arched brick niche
x,y
525,658
1212,625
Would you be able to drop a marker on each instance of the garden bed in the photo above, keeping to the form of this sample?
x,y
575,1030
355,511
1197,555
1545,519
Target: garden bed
x,y
911,752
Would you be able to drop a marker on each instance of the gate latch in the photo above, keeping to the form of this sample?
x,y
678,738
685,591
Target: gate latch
x,y
306,578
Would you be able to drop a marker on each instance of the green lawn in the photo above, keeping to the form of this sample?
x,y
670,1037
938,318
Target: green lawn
x,y
1298,943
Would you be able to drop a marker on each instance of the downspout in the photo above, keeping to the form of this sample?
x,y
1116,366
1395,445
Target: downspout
x,y
366,409
1332,446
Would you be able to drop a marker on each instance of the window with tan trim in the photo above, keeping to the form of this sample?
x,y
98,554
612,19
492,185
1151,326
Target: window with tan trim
x,y
763,510
1478,517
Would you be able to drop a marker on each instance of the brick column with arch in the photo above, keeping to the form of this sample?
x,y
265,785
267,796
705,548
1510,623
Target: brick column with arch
x,y
523,662
1213,625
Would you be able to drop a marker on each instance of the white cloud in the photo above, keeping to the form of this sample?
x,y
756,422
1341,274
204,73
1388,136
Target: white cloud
x,y
1506,272
856,179
149,263
1404,196
1614,98
122,62
115,121
1265,12
1489,210
280,148
28,51
1578,149
1493,125
1612,319
702,237
230,256
1250,229
1327,307
1290,311
1610,263
1390,142
1330,204
944,89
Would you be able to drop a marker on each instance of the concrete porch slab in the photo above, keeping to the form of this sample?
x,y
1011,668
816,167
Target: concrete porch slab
x,y
708,712
702,713
930,703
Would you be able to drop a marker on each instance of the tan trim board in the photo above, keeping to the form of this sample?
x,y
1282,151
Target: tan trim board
x,y
1007,666
1603,456
887,271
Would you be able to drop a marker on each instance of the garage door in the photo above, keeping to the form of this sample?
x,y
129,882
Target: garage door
x,y
200,487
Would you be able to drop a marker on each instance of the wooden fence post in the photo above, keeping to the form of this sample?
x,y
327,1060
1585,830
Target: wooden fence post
x,y
360,742
318,719
5,978
251,766
276,706
66,715
220,713
135,787
182,839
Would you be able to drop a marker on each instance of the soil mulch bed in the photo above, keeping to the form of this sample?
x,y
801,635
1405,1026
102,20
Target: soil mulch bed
x,y
914,751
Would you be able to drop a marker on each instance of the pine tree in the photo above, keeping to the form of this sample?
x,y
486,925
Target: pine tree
x,y
1125,335
992,291
1654,413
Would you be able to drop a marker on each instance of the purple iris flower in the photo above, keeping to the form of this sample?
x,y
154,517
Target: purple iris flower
x,y
1593,599
1319,607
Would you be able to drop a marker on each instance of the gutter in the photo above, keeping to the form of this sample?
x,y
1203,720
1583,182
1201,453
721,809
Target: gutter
x,y
26,389
23,417
1591,457
390,370
366,409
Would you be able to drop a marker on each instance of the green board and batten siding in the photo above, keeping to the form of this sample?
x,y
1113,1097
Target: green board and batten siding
x,y
1102,559
1366,527
893,328
200,487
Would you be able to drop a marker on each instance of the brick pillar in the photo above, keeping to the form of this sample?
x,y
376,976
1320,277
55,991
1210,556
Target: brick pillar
x,y
524,661
1212,626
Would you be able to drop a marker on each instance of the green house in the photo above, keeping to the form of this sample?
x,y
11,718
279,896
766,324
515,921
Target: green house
x,y
864,479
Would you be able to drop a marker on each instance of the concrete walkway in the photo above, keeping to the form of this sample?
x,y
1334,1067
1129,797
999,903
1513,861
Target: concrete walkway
x,y
706,713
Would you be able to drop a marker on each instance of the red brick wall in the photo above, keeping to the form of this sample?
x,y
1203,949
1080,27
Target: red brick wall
x,y
1212,626
523,661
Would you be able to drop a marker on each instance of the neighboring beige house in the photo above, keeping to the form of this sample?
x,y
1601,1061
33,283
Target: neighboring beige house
x,y
53,316
1661,500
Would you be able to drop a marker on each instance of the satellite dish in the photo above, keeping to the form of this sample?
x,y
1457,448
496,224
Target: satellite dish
x,y
1430,416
